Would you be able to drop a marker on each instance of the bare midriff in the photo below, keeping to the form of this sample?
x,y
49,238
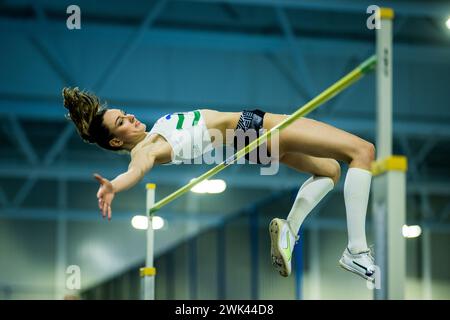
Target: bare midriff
x,y
224,122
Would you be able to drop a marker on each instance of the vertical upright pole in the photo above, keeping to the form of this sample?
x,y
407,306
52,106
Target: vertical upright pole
x,y
383,144
148,273
379,222
389,183
384,83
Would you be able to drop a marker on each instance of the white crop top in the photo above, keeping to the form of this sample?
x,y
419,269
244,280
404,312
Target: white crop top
x,y
186,132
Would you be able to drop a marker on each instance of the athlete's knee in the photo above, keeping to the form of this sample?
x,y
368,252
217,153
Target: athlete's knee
x,y
335,171
365,152
369,151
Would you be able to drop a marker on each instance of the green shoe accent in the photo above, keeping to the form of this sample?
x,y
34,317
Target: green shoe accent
x,y
287,251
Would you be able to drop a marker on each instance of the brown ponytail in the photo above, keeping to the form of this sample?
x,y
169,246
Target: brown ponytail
x,y
87,113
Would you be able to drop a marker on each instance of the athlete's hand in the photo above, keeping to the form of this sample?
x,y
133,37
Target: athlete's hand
x,y
105,195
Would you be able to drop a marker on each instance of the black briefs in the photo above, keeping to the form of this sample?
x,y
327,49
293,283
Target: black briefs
x,y
252,119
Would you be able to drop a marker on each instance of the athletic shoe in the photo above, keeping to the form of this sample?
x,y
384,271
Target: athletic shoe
x,y
362,264
282,245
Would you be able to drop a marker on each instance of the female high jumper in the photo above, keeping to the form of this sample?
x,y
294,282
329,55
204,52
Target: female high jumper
x,y
305,145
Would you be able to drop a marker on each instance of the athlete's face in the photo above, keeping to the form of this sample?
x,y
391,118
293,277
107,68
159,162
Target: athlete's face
x,y
125,127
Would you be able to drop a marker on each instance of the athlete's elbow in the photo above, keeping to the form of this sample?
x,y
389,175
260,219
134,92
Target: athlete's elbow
x,y
141,174
136,174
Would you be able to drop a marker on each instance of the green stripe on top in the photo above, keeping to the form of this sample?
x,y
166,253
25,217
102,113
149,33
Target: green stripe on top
x,y
196,117
180,121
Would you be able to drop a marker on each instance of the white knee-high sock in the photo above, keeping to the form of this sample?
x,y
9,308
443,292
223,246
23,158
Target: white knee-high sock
x,y
356,198
311,192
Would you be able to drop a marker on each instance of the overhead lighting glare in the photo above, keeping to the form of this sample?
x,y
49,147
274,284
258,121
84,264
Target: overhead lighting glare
x,y
411,231
141,222
210,186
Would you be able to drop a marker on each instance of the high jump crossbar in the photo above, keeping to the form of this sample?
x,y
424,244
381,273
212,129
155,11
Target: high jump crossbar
x,y
339,86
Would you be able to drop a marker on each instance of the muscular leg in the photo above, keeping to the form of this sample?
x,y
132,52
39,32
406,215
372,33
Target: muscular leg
x,y
326,173
321,140
322,167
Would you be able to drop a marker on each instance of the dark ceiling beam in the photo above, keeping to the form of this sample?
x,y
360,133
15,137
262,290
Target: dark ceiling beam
x,y
227,41
438,9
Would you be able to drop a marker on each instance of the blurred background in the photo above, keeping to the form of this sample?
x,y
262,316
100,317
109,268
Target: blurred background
x,y
151,58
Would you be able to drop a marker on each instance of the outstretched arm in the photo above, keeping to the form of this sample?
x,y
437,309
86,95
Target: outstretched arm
x,y
128,179
124,181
